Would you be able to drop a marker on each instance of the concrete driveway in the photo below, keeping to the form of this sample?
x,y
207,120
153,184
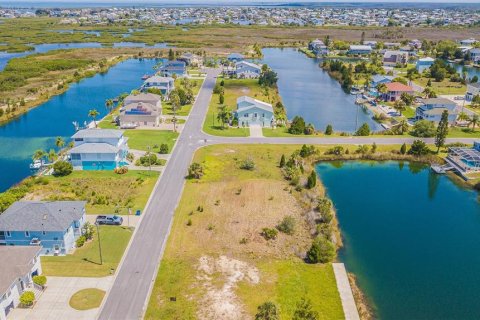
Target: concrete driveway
x,y
256,131
53,304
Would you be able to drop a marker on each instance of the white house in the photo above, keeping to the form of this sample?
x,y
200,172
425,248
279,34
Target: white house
x,y
473,89
318,47
246,70
252,111
18,265
165,84
360,50
98,149
432,109
475,54
424,63
468,42
141,109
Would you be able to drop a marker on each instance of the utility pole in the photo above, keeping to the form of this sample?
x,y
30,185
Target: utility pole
x,y
99,244
149,161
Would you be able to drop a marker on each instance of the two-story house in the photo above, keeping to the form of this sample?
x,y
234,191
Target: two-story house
x,y
473,89
474,54
252,111
175,67
18,265
395,91
191,59
141,109
393,58
432,110
318,47
98,149
164,84
247,70
55,226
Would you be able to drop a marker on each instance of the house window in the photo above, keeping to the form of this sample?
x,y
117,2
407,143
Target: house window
x,y
43,232
246,115
78,139
27,234
75,156
8,234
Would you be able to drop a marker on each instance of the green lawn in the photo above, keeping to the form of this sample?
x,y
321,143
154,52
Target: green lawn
x,y
85,262
457,132
87,299
282,132
409,112
106,123
141,139
184,110
446,87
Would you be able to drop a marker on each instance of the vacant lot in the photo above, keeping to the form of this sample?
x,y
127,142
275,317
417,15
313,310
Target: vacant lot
x,y
217,265
142,139
184,110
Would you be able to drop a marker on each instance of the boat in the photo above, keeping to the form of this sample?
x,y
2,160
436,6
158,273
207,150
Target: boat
x,y
145,77
36,164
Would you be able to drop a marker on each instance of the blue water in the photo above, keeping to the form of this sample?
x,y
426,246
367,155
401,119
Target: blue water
x,y
411,237
308,91
38,128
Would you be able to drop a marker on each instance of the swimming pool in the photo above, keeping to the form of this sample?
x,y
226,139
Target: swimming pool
x,y
102,165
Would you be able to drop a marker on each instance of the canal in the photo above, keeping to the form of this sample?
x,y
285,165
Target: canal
x,y
411,237
38,128
309,92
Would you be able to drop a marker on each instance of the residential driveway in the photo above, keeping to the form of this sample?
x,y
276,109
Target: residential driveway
x,y
53,304
256,131
128,221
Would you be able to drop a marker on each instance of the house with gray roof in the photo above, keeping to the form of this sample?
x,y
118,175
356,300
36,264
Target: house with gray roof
x,y
143,109
473,89
98,149
247,70
252,111
164,84
18,265
53,226
432,110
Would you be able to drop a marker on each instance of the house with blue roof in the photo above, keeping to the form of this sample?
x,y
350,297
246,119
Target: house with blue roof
x,y
247,70
424,63
54,226
379,79
176,67
251,111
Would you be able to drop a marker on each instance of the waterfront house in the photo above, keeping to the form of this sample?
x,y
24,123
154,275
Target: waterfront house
x,y
379,79
191,59
395,91
424,63
468,42
318,47
360,50
176,67
252,111
141,109
247,70
473,89
98,149
235,57
393,58
464,159
164,84
53,226
474,54
432,109
18,265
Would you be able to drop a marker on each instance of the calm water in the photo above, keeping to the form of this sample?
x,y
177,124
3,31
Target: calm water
x,y
411,237
310,92
38,128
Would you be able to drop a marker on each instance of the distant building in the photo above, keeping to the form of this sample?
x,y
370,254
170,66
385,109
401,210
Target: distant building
x,y
235,57
424,63
432,109
379,79
474,54
370,43
18,266
468,42
142,109
392,58
53,226
318,47
191,59
473,89
164,84
98,149
176,67
391,45
395,91
252,111
245,69
359,50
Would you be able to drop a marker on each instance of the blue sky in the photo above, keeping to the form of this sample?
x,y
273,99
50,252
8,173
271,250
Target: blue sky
x,y
244,1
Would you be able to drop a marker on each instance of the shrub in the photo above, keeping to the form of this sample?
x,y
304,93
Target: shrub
x,y
287,225
80,241
269,233
403,148
297,126
321,251
337,150
304,311
329,130
424,129
267,311
163,148
282,161
120,170
309,129
247,164
418,148
27,298
364,130
312,180
362,149
62,168
149,159
130,157
307,151
195,171
40,280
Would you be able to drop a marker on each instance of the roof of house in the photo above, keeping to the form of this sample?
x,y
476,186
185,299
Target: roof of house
x,y
438,101
142,97
16,262
94,147
250,64
390,53
98,133
475,50
397,86
427,59
360,47
41,215
159,79
253,103
379,77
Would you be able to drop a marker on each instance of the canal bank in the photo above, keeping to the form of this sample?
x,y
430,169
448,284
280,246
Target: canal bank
x,y
409,238
38,128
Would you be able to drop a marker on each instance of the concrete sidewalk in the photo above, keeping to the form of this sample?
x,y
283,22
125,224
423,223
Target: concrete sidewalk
x,y
346,295
53,304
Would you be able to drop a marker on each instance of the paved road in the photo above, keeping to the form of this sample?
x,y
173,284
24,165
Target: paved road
x,y
128,296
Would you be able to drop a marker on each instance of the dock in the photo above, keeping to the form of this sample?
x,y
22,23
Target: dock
x,y
346,294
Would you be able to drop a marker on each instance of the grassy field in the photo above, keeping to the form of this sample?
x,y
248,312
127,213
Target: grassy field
x,y
184,110
85,261
235,88
446,87
103,190
141,139
87,299
207,248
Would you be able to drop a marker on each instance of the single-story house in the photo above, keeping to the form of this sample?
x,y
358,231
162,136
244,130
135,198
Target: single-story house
x,y
379,79
18,266
176,67
473,89
191,59
424,63
98,149
165,84
395,91
432,109
245,69
141,109
318,47
54,226
392,58
252,111
235,57
360,50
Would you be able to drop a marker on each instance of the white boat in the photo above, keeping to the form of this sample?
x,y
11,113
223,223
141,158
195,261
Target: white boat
x,y
37,164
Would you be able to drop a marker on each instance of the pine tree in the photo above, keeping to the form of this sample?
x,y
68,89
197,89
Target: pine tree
x,y
442,131
282,161
403,149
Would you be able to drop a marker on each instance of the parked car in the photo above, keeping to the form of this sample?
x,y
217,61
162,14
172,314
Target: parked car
x,y
109,219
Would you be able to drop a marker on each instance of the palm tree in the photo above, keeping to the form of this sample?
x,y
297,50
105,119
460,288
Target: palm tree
x,y
39,154
474,121
382,89
109,104
224,115
463,117
59,142
400,106
403,126
93,114
52,155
